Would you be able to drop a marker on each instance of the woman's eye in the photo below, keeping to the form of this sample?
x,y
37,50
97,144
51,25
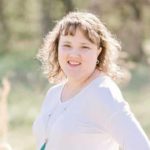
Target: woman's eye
x,y
85,47
67,45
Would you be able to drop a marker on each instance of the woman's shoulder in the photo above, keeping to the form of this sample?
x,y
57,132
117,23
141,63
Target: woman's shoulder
x,y
51,96
108,94
108,86
55,88
105,99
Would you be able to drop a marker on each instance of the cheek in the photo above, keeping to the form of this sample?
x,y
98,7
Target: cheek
x,y
91,58
61,55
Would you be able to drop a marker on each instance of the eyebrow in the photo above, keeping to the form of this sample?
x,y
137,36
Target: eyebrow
x,y
68,42
83,43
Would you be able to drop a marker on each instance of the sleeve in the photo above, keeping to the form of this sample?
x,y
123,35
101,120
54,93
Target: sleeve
x,y
38,127
121,123
50,99
43,110
46,101
126,130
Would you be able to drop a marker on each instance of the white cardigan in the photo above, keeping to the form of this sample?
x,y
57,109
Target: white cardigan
x,y
97,118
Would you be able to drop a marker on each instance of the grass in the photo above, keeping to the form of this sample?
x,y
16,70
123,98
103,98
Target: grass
x,y
28,88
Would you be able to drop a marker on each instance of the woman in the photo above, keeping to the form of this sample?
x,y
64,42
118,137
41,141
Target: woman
x,y
85,110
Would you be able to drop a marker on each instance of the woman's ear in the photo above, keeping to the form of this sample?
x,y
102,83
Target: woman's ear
x,y
99,51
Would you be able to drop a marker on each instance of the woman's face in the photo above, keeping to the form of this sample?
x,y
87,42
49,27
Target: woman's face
x,y
77,56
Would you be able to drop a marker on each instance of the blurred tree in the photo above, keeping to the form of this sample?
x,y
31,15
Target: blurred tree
x,y
20,23
5,34
133,27
127,20
22,5
50,11
69,5
46,17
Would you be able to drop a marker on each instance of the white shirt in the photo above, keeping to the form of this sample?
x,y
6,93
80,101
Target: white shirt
x,y
97,118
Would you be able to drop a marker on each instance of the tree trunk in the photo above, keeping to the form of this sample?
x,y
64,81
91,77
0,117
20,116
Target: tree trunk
x,y
5,34
46,18
69,5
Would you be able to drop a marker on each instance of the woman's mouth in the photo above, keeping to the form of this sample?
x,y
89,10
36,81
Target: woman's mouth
x,y
74,63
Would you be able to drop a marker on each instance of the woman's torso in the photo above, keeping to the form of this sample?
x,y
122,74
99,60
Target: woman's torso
x,y
76,124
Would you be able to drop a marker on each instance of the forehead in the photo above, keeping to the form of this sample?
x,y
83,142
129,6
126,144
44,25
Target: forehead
x,y
88,27
77,36
80,31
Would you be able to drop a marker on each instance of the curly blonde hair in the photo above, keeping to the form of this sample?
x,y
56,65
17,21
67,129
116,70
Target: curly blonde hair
x,y
94,30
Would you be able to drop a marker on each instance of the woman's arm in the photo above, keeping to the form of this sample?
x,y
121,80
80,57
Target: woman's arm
x,y
120,122
126,130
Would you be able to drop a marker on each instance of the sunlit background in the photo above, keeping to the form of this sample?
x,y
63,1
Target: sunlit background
x,y
24,23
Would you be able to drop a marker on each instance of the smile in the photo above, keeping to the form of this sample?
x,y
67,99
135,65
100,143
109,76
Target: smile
x,y
74,63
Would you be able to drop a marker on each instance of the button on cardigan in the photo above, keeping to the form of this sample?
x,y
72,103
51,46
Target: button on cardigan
x,y
97,118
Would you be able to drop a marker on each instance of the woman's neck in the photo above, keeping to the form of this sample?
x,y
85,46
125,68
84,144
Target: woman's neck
x,y
75,84
72,87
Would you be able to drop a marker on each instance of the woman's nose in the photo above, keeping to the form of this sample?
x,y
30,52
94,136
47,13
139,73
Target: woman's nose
x,y
74,52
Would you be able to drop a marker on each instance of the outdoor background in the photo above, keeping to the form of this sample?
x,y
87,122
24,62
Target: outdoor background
x,y
24,23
